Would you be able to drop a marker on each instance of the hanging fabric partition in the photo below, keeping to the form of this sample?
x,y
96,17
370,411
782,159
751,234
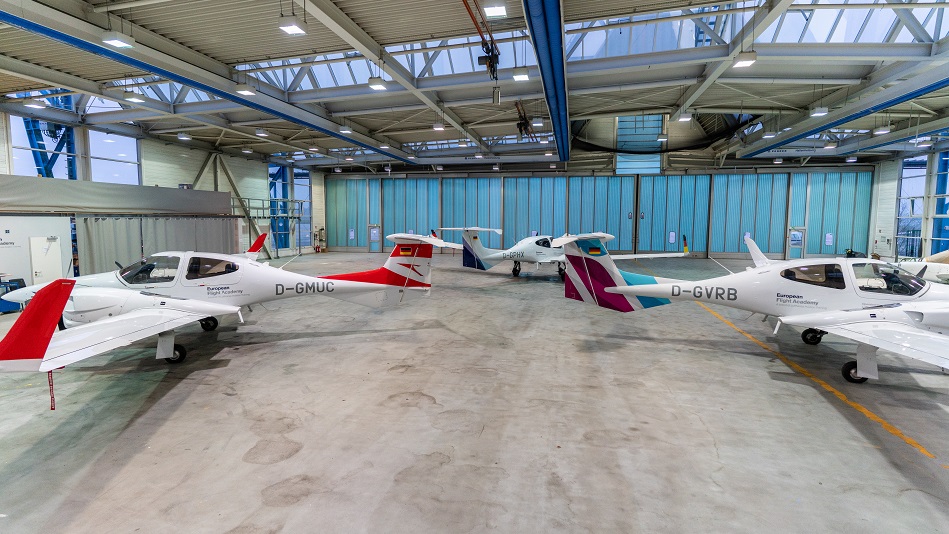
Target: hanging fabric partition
x,y
102,241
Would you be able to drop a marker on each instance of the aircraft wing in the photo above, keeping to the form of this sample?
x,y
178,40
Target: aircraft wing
x,y
890,329
647,256
431,240
76,344
558,242
476,229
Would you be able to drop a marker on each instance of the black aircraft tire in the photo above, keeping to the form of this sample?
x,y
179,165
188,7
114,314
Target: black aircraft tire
x,y
179,354
208,324
811,336
517,269
849,370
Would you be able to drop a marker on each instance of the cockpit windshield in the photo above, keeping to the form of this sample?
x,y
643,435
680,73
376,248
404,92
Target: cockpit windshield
x,y
152,270
543,242
887,279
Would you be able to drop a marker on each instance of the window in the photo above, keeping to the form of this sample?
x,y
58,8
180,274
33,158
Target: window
x,y
886,279
209,267
909,218
113,158
43,149
824,275
153,270
941,213
543,242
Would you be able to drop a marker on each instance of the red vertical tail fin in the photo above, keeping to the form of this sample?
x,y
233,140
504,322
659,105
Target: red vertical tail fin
x,y
32,331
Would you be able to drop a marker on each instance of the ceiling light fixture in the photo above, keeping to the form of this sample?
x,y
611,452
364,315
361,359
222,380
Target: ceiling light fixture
x,y
244,89
543,140
35,103
830,144
553,165
768,135
495,11
778,161
521,74
496,167
246,150
462,144
349,158
345,129
260,132
118,39
337,169
851,159
314,149
883,129
376,83
685,116
478,155
411,157
439,168
182,136
548,153
129,96
538,122
387,168
383,146
924,143
662,137
438,126
292,25
745,59
819,111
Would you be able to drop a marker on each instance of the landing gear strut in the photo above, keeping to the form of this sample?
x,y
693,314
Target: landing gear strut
x,y
178,355
517,269
562,271
208,323
812,336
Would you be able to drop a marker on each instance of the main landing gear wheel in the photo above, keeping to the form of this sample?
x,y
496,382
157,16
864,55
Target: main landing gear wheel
x,y
849,370
178,355
208,323
517,269
562,271
812,336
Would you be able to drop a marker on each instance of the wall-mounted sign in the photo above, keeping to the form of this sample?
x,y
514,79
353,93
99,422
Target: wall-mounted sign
x,y
797,238
829,239
374,232
352,234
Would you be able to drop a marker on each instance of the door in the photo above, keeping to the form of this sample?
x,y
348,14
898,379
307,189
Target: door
x,y
46,259
796,240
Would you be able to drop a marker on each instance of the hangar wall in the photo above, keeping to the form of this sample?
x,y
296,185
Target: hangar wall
x,y
645,213
15,234
167,165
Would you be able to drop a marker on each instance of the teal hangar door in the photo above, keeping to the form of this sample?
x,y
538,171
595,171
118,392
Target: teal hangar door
x,y
534,206
748,204
603,204
347,214
673,211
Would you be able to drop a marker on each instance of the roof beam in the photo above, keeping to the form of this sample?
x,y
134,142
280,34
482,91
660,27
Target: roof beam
x,y
760,21
157,55
911,22
545,21
899,136
346,29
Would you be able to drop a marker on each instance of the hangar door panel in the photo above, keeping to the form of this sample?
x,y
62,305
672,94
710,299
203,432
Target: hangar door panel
x,y
838,212
347,213
409,205
472,202
670,207
603,204
752,204
534,204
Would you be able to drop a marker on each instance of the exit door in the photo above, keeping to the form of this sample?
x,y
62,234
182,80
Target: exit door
x,y
796,242
46,259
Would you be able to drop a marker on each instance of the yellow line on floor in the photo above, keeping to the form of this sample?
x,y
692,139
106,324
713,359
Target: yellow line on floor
x,y
837,393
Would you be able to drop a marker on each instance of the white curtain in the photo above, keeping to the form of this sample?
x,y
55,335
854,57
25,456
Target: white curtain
x,y
102,241
199,234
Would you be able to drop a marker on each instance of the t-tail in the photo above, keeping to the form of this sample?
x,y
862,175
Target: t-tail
x,y
406,275
25,345
474,253
590,271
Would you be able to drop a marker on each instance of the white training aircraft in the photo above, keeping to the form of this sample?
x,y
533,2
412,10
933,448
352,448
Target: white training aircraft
x,y
869,301
171,289
535,249
934,268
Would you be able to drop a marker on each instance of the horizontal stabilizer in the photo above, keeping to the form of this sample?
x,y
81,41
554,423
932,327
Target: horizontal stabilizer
x,y
24,346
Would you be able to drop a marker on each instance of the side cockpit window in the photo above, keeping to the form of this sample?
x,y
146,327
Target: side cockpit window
x,y
543,242
825,275
209,267
152,270
886,279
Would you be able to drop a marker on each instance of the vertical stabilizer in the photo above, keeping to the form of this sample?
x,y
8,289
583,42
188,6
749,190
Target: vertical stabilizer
x,y
590,271
406,275
475,252
756,255
25,344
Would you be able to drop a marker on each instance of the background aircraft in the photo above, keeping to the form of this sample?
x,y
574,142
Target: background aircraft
x,y
870,301
934,268
216,284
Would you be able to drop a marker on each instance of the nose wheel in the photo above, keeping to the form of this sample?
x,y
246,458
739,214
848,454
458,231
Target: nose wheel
x,y
517,269
812,336
178,355
208,323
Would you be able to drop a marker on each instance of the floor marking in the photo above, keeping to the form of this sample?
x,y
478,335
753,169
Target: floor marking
x,y
837,393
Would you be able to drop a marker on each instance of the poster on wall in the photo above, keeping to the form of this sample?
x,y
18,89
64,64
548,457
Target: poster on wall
x,y
7,240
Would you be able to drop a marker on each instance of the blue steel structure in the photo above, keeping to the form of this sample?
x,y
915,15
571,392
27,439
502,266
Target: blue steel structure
x,y
940,222
545,22
43,159
279,210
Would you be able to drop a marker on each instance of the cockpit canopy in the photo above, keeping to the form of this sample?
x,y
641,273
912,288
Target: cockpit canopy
x,y
879,278
152,270
543,242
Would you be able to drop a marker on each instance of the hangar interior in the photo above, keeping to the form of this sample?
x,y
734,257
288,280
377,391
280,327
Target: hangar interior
x,y
131,127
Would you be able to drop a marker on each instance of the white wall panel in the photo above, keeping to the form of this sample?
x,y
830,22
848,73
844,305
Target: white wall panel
x,y
883,209
15,234
170,165
6,165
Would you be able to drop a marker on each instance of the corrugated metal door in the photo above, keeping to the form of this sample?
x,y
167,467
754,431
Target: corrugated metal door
x,y
673,204
838,212
346,213
409,205
472,202
603,204
752,204
535,204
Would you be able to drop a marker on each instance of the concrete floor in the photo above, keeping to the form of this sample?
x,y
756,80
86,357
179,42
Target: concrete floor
x,y
494,405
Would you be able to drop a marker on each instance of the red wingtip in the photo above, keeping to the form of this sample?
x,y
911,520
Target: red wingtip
x,y
259,244
30,335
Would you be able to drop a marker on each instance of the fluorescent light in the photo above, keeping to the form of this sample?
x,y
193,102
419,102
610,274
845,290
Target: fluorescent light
x,y
438,126
851,159
337,169
778,161
376,83
478,155
411,157
745,59
768,135
818,111
883,129
462,144
662,137
383,146
118,39
495,11
830,144
314,149
553,165
548,153
685,116
923,143
129,96
34,103
292,24
183,136
244,89
521,74
246,150
439,168
538,122
345,129
260,132
349,158
544,140
496,167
